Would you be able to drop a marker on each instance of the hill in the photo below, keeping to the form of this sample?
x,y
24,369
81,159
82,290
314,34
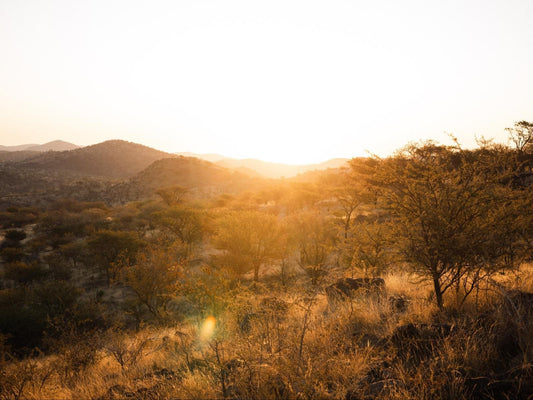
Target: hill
x,y
266,169
30,187
56,145
20,147
211,157
201,179
114,171
113,159
277,170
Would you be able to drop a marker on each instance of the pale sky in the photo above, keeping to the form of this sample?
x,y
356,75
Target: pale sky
x,y
288,81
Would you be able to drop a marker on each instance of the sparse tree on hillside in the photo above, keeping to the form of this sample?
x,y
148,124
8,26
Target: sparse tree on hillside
x,y
173,195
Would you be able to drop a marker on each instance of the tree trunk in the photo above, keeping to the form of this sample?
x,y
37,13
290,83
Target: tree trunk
x,y
438,292
347,225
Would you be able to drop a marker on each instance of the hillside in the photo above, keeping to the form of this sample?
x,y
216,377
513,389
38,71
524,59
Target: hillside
x,y
14,156
199,177
30,187
113,159
114,171
56,145
211,157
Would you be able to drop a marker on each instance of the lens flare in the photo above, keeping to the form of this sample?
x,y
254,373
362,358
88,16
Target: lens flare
x,y
208,328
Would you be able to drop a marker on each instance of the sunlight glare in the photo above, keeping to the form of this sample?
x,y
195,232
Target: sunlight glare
x,y
208,328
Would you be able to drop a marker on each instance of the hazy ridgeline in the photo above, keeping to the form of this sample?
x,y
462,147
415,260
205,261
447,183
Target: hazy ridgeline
x,y
213,284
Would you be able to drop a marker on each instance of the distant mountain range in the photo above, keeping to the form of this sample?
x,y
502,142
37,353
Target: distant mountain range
x,y
112,159
117,171
56,145
114,171
126,164
267,169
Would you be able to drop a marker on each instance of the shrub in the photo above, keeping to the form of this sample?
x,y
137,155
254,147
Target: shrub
x,y
15,235
24,273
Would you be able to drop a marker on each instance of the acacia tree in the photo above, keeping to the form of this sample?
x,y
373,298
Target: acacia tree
x,y
353,192
107,247
154,276
521,135
173,195
454,218
314,236
185,223
249,239
367,247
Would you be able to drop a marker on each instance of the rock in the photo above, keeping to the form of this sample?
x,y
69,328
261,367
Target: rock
x,y
347,288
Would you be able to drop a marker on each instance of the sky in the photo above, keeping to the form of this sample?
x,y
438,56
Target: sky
x,y
295,81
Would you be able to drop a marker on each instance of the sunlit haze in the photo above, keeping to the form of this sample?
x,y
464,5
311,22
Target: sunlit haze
x,y
285,81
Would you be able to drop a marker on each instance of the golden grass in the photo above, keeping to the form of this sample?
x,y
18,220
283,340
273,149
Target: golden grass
x,y
306,351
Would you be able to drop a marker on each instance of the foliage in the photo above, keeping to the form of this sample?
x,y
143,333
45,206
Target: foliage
x,y
24,273
107,247
172,195
15,217
314,235
352,193
367,249
521,135
453,218
185,223
125,350
249,239
154,277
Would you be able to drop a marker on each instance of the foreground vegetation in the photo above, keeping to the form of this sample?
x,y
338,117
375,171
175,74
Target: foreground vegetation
x,y
223,296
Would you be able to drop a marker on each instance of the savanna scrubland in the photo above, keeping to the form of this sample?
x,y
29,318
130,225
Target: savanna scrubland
x,y
245,294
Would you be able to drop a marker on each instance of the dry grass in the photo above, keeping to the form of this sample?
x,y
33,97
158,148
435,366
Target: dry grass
x,y
295,347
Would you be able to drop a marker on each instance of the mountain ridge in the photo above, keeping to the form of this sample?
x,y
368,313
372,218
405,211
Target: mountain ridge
x,y
54,145
113,171
112,159
267,169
